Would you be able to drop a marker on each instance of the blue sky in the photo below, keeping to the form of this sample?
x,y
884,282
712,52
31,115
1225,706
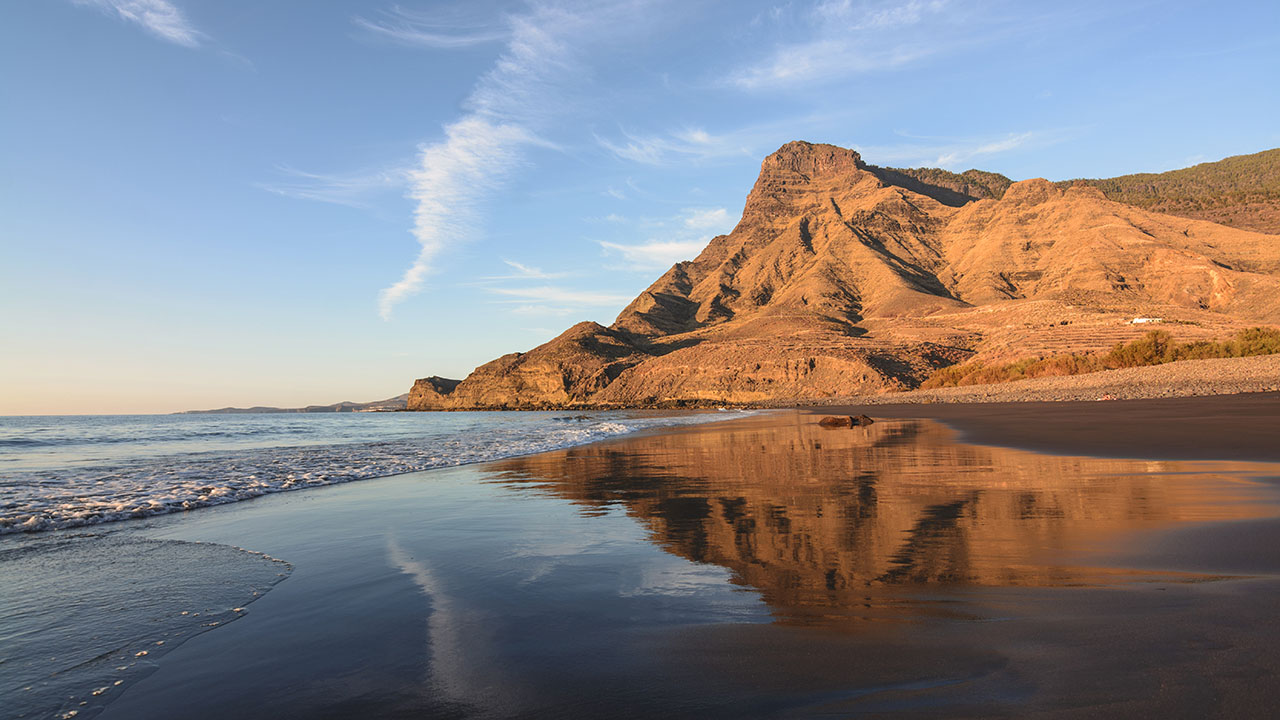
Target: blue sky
x,y
285,202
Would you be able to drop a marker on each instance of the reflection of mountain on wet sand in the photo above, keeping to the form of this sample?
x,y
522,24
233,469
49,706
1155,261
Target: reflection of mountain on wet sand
x,y
818,518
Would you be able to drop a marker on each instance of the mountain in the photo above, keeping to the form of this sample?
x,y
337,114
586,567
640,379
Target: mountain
x,y
1241,191
845,278
398,402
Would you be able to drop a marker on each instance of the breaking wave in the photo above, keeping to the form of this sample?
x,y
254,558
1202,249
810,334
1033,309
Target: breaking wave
x,y
55,474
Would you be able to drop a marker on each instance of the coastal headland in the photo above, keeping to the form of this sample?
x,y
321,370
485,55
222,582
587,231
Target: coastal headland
x,y
847,279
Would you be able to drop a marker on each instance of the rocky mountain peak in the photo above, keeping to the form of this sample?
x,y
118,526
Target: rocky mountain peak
x,y
798,170
812,160
845,278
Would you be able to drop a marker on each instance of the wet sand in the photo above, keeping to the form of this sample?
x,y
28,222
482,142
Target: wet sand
x,y
760,568
1222,427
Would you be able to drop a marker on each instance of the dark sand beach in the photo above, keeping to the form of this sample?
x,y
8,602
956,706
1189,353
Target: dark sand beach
x,y
768,567
1216,427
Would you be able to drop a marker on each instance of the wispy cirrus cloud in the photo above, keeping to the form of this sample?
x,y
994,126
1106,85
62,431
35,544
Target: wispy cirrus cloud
x,y
543,311
706,218
862,15
479,150
695,144
962,155
562,296
453,177
958,153
547,299
682,145
349,189
656,254
525,272
850,38
158,17
687,234
443,28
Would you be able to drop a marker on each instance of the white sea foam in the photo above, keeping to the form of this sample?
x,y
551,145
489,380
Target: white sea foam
x,y
140,481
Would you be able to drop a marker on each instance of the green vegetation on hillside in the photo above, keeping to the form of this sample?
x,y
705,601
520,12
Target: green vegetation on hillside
x,y
1243,190
993,183
1155,348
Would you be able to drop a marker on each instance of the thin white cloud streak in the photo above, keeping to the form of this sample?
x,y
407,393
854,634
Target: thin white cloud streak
x,y
707,218
542,310
952,158
849,39
482,148
660,254
562,296
695,145
352,190
656,254
826,58
956,153
454,175
688,144
436,30
862,16
526,272
158,17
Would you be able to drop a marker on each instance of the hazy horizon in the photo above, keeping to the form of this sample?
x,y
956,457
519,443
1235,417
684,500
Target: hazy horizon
x,y
289,204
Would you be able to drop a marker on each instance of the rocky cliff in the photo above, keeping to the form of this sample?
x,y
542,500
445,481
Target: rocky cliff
x,y
844,278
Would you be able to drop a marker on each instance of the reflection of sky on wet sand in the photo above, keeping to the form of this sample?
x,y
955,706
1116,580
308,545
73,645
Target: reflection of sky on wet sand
x,y
830,523
702,573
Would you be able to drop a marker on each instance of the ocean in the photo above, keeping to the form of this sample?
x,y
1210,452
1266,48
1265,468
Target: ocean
x,y
770,567
72,471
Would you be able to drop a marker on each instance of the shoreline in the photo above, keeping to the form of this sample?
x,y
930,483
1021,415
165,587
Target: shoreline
x,y
732,569
1240,426
1212,427
340,473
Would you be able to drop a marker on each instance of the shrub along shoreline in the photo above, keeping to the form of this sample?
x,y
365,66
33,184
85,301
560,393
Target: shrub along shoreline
x,y
1155,348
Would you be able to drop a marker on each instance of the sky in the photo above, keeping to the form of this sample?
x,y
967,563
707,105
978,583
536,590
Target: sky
x,y
207,203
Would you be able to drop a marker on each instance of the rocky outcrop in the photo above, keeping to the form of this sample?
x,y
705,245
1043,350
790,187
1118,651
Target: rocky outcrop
x,y
431,393
566,371
842,278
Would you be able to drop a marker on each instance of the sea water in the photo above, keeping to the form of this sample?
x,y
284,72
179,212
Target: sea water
x,y
71,471
755,569
88,606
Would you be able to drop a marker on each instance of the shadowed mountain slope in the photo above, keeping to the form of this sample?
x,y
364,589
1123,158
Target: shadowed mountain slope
x,y
845,278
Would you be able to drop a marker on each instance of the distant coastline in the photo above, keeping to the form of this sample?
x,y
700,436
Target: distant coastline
x,y
394,404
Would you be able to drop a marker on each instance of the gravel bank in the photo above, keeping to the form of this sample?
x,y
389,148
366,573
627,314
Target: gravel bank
x,y
1187,378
